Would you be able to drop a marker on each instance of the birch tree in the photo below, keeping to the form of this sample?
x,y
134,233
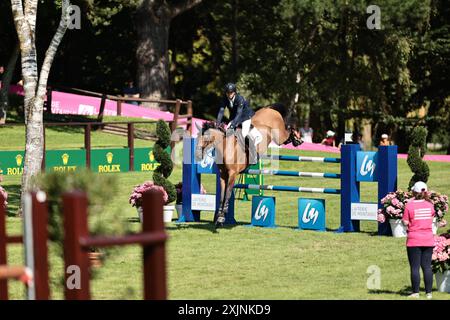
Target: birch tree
x,y
35,84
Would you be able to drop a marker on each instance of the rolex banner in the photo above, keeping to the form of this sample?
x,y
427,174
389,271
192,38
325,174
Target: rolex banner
x,y
65,160
102,160
110,160
144,160
11,162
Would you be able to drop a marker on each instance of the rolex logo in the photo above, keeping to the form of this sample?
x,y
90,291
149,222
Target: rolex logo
x,y
151,157
109,157
65,158
19,159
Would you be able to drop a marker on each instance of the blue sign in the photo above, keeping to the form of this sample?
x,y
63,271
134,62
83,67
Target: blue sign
x,y
366,166
207,164
311,214
263,211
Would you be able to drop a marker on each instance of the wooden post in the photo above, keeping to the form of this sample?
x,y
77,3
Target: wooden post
x,y
119,107
49,100
3,251
190,112
175,120
40,249
155,286
131,144
76,260
87,144
102,108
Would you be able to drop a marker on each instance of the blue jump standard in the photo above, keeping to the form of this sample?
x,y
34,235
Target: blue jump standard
x,y
287,188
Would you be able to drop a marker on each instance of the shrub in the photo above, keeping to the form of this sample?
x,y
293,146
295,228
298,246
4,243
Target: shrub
x,y
165,168
416,151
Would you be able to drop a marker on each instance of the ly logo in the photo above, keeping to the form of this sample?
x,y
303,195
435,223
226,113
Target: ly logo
x,y
367,166
208,159
310,214
261,211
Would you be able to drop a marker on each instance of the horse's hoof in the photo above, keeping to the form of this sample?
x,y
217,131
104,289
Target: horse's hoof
x,y
220,220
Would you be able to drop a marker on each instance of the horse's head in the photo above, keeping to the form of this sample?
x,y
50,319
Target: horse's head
x,y
209,134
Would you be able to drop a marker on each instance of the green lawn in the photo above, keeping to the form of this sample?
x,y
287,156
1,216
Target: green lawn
x,y
240,262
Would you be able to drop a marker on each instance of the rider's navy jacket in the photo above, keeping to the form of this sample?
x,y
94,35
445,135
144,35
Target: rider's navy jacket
x,y
239,111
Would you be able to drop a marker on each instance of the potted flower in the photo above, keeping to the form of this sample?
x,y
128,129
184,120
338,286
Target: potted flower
x,y
440,203
393,209
136,196
179,203
440,261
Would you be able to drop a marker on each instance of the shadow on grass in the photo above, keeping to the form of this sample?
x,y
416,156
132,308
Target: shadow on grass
x,y
202,225
13,199
405,291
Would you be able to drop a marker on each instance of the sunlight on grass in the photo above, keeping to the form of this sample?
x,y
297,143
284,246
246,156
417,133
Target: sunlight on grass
x,y
248,263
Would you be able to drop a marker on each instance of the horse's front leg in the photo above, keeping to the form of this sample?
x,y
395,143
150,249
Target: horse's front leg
x,y
229,190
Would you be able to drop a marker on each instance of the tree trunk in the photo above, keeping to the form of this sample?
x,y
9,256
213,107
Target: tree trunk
x,y
6,82
235,43
25,22
153,51
153,24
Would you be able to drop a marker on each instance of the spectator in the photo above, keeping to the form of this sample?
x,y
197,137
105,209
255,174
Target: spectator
x,y
418,218
384,141
330,140
132,92
306,132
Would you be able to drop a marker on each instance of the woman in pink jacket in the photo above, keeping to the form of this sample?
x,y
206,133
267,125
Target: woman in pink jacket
x,y
418,218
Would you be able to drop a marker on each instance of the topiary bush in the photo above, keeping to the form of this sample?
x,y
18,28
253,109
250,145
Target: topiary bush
x,y
165,168
416,151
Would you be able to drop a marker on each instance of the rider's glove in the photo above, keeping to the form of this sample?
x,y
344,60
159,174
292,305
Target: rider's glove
x,y
230,132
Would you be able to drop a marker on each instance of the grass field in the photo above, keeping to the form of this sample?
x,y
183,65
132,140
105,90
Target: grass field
x,y
238,262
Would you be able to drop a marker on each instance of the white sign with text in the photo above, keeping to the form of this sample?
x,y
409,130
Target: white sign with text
x,y
204,202
364,211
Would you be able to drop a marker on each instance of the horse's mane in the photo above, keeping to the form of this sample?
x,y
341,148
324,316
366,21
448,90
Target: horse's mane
x,y
212,125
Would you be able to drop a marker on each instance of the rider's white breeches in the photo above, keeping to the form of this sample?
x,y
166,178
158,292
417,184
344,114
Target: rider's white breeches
x,y
246,127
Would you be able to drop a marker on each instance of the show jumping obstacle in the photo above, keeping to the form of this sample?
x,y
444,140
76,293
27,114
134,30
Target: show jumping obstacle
x,y
77,242
349,176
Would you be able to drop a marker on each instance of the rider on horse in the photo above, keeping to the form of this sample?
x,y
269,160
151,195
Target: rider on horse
x,y
240,116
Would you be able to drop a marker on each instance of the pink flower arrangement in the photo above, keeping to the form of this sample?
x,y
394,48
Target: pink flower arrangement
x,y
440,203
440,260
5,196
393,205
136,196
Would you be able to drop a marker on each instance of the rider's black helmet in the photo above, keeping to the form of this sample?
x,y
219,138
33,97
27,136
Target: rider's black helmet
x,y
230,87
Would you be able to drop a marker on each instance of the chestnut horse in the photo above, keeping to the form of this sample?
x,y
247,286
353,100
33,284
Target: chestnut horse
x,y
231,156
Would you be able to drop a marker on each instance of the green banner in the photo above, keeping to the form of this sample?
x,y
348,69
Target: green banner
x,y
144,160
110,160
11,162
254,179
65,160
